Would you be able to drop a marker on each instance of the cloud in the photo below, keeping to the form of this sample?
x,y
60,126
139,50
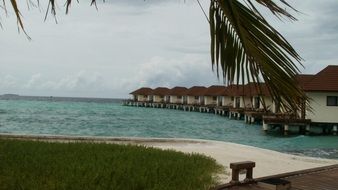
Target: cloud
x,y
80,82
131,43
188,71
8,82
35,80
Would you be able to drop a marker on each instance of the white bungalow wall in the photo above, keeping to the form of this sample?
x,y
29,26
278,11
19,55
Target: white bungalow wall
x,y
141,98
173,99
227,101
192,100
209,100
158,98
201,100
176,99
219,101
167,99
320,111
150,98
268,103
245,102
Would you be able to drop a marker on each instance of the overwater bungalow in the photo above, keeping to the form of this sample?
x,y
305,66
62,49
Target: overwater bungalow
x,y
322,110
322,89
237,96
213,94
142,94
195,95
160,95
253,102
177,94
260,96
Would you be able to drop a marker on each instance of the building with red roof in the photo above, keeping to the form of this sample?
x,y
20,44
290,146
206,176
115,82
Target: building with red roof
x,y
322,89
142,94
176,94
159,94
195,95
213,95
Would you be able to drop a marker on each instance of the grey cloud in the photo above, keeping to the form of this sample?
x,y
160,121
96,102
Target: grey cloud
x,y
130,43
188,71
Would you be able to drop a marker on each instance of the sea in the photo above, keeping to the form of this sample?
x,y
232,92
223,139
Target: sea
x,y
108,117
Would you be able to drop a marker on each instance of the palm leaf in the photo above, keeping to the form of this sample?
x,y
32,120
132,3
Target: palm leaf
x,y
248,48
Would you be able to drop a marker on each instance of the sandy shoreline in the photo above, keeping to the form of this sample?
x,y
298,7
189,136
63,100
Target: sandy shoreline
x,y
268,162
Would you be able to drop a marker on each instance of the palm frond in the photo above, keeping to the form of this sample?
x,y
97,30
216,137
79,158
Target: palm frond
x,y
247,48
18,17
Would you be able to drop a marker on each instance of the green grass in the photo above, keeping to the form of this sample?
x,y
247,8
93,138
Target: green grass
x,y
42,165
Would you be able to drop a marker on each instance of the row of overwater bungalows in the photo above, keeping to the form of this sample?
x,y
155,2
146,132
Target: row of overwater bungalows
x,y
235,96
253,103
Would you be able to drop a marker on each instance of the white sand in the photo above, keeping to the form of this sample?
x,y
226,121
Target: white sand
x,y
267,162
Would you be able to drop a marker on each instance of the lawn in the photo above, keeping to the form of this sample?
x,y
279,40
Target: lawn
x,y
46,165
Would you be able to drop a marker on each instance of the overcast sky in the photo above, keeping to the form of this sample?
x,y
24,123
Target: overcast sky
x,y
127,44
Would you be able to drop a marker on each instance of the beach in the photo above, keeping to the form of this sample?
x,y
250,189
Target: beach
x,y
268,162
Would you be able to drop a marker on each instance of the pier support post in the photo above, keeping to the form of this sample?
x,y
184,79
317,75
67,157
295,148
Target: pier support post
x,y
238,116
246,118
265,127
334,130
252,120
307,129
230,115
286,129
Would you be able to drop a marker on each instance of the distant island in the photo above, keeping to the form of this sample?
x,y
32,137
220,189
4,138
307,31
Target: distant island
x,y
10,95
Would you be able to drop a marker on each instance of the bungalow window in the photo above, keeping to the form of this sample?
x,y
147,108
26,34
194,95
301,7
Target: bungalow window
x,y
332,101
214,98
145,96
179,97
196,97
161,97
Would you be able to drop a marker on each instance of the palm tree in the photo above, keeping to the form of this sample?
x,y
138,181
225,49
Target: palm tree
x,y
244,46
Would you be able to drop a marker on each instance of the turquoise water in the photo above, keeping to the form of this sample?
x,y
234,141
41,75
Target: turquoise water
x,y
106,117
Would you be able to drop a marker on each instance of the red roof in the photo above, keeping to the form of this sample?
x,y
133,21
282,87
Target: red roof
x,y
161,91
178,91
235,90
196,91
252,89
215,91
325,80
302,79
142,91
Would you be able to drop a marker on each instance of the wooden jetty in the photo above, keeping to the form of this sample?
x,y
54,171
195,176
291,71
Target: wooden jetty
x,y
322,178
285,122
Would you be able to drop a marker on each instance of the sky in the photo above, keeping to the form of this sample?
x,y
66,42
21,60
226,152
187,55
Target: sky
x,y
127,44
